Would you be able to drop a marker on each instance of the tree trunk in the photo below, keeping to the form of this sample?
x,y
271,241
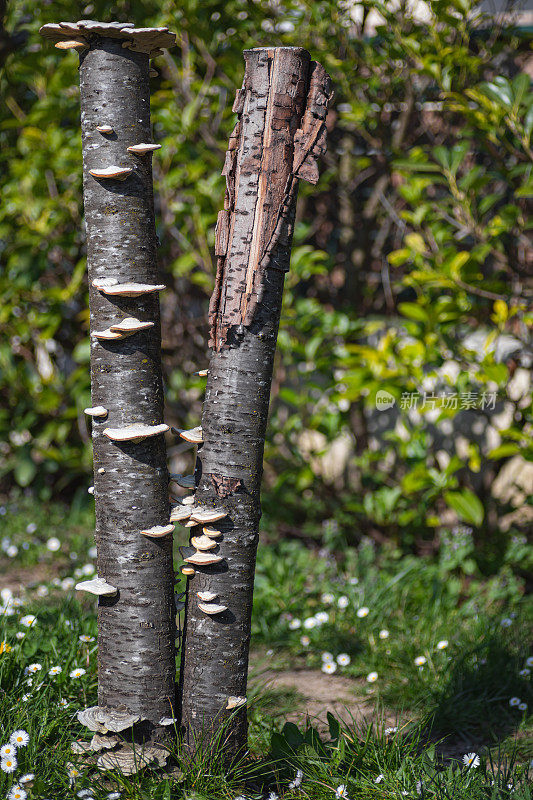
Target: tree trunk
x,y
136,615
281,129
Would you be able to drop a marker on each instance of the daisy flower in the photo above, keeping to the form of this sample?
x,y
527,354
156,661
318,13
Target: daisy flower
x,y
390,731
72,773
327,597
113,796
420,660
506,622
77,673
341,791
362,612
53,544
522,706
442,645
326,657
309,623
19,738
329,667
343,602
322,617
55,670
17,793
372,677
380,778
471,760
62,703
27,778
8,750
8,764
20,635
514,701
305,641
35,668
384,634
28,620
529,662
525,673
343,659
295,623
297,781
85,638
67,583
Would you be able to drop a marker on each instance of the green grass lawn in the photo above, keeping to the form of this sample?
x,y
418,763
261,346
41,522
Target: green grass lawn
x,y
427,641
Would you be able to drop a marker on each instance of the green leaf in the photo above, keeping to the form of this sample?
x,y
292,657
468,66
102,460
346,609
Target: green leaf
x,y
468,507
413,311
25,471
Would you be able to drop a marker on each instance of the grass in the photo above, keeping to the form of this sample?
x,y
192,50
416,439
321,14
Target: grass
x,y
468,635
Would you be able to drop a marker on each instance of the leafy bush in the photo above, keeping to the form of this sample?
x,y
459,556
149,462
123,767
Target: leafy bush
x,y
407,275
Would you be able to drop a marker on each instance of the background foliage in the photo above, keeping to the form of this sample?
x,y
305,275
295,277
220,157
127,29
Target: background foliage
x,y
409,270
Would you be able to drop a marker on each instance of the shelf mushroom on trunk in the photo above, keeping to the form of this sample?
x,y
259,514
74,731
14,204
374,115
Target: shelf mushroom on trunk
x,y
280,132
135,585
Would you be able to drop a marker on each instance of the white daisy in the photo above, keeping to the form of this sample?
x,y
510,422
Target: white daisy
x,y
12,551
88,569
62,703
525,673
297,781
514,701
329,667
420,660
27,778
295,623
326,657
372,677
529,662
310,623
19,738
380,778
85,638
8,750
67,583
55,670
53,544
113,796
343,602
8,764
390,731
20,635
327,597
362,612
343,659
442,645
322,617
522,706
305,641
17,793
384,634
506,622
28,620
471,760
72,772
77,673
341,791
35,668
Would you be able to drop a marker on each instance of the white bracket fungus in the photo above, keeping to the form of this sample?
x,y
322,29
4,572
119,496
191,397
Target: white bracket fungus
x,y
212,532
129,326
179,514
189,571
158,530
193,435
211,608
72,44
104,129
203,559
118,173
99,587
209,515
142,148
207,597
96,411
134,433
235,702
111,287
203,543
107,335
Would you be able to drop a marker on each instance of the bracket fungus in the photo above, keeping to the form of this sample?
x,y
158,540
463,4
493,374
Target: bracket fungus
x,y
96,411
185,481
211,608
134,433
97,586
72,44
191,523
111,287
193,435
142,148
203,543
129,326
203,373
130,759
107,335
203,559
235,702
212,532
118,173
207,597
90,490
189,571
158,530
104,129
103,720
209,515
179,514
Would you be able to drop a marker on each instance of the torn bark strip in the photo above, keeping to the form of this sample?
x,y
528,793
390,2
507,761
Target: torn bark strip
x,y
280,132
136,622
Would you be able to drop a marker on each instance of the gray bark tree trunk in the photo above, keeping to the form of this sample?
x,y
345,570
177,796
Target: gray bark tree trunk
x,y
281,130
136,614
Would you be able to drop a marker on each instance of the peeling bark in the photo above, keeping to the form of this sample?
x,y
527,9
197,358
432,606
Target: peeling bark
x,y
280,132
136,625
